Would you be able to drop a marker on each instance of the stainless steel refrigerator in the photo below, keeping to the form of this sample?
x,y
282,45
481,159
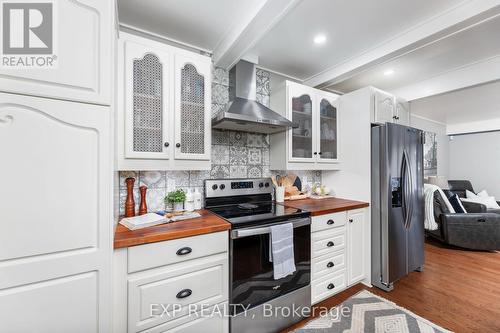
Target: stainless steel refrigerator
x,y
397,203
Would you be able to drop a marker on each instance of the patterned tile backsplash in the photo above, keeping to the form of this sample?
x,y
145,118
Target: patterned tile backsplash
x,y
234,154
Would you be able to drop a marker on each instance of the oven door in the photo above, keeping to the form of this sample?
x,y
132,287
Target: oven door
x,y
252,280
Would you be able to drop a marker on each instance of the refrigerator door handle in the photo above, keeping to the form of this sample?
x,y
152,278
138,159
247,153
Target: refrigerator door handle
x,y
407,190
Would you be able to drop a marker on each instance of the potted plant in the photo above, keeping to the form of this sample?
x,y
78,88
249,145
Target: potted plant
x,y
176,198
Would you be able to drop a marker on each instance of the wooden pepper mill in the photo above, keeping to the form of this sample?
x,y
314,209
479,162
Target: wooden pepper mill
x,y
143,207
130,203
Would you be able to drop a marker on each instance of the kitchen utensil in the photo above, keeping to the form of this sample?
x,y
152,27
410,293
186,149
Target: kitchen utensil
x,y
143,207
129,202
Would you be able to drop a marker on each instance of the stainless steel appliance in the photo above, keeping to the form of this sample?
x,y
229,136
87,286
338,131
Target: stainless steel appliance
x,y
397,203
247,204
243,112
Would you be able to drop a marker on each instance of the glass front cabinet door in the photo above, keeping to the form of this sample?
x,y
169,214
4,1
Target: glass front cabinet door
x,y
301,106
146,102
192,109
327,143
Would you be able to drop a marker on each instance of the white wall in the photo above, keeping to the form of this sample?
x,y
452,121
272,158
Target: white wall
x,y
442,140
476,157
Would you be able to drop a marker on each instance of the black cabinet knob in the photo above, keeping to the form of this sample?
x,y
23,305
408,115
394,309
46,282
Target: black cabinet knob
x,y
351,220
330,264
183,251
330,244
330,222
184,293
222,186
331,286
315,153
319,153
178,145
214,187
166,144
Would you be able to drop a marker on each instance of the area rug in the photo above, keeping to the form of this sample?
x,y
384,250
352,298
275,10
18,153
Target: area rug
x,y
368,313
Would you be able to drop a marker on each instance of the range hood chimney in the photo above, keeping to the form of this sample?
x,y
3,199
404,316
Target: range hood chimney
x,y
243,112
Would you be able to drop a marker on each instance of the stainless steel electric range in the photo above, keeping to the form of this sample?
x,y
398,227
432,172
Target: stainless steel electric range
x,y
258,302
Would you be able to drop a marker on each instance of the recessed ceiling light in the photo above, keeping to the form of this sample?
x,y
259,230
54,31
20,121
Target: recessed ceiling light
x,y
389,72
319,39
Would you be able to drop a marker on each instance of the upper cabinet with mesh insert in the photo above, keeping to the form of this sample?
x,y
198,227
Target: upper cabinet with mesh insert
x,y
314,143
164,99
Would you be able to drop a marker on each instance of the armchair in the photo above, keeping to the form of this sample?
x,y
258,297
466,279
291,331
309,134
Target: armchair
x,y
475,231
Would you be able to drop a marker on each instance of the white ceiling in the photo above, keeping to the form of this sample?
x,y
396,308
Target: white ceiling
x,y
351,27
463,106
470,46
199,23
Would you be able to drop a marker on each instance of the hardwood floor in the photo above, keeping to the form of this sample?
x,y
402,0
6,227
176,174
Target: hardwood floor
x,y
458,290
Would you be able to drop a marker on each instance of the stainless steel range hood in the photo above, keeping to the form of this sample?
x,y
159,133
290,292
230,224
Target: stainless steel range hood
x,y
243,112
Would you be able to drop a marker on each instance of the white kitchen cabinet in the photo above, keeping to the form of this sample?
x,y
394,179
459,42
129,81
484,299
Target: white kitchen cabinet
x,y
402,111
339,252
150,279
192,108
83,42
388,108
164,101
314,144
56,246
357,242
384,109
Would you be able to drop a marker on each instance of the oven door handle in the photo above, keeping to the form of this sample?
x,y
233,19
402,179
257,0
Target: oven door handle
x,y
240,233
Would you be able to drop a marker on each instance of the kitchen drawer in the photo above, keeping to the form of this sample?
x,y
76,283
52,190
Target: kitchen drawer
x,y
198,322
204,281
328,221
328,241
327,264
328,286
168,252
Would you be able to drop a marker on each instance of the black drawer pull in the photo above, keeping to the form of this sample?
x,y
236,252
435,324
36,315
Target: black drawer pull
x,y
331,286
351,220
330,264
184,293
330,222
330,244
183,251
481,220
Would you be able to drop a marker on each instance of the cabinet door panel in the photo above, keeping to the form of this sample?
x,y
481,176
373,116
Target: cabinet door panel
x,y
146,102
59,226
83,39
402,111
384,107
300,109
328,129
357,238
192,108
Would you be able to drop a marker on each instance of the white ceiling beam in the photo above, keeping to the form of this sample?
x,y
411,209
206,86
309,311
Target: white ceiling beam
x,y
259,20
473,127
458,18
474,74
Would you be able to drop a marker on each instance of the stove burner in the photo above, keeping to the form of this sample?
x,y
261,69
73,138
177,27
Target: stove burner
x,y
247,206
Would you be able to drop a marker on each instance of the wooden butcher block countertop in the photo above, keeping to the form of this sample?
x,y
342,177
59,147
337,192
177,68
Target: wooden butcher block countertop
x,y
325,206
205,224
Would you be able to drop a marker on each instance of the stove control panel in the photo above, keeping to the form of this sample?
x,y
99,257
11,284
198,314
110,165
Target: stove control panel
x,y
231,187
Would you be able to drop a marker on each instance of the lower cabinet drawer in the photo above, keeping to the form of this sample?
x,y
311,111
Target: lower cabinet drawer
x,y
164,294
327,264
199,322
159,254
328,241
328,221
328,286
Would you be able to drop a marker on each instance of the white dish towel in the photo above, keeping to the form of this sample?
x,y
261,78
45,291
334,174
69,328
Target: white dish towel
x,y
282,250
